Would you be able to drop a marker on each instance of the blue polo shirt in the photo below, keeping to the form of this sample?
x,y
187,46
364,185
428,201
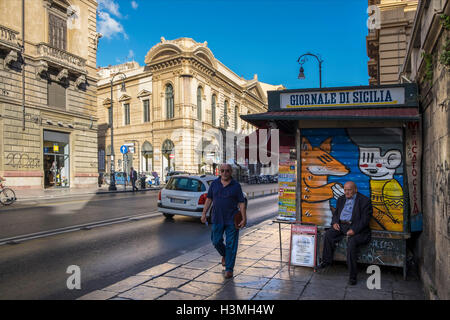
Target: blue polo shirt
x,y
225,201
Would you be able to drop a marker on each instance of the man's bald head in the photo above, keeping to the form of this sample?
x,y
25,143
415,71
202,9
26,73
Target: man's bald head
x,y
350,189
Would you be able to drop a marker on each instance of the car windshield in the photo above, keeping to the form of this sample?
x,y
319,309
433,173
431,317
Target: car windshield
x,y
185,184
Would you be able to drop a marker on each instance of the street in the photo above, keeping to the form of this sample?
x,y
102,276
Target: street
x,y
36,269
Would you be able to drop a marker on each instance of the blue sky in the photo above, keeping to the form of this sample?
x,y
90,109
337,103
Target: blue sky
x,y
265,37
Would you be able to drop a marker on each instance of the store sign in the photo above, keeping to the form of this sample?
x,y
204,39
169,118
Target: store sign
x,y
286,186
55,148
343,98
413,166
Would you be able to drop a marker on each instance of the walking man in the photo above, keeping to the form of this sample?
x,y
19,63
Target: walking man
x,y
351,219
133,178
227,198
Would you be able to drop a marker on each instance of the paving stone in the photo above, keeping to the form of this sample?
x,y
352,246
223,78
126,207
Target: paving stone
x,y
276,257
166,282
178,295
408,287
269,264
295,274
186,258
201,288
240,261
233,292
218,268
366,294
142,293
293,287
260,272
319,292
335,282
201,264
250,281
185,273
127,284
275,295
398,296
98,295
213,277
213,257
158,270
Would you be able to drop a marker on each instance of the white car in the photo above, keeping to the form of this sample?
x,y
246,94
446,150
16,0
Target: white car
x,y
185,195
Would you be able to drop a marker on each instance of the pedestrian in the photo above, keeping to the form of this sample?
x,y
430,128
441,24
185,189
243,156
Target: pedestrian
x,y
350,219
133,178
225,194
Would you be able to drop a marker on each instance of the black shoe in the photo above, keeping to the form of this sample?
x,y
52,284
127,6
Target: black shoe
x,y
352,282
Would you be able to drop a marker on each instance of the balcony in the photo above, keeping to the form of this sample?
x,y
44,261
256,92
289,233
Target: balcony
x,y
61,58
8,38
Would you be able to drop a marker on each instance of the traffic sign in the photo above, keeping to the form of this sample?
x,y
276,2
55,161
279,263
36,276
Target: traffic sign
x,y
124,149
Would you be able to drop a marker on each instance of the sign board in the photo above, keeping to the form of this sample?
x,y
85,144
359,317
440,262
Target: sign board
x,y
131,149
303,245
286,186
171,156
55,148
124,149
343,98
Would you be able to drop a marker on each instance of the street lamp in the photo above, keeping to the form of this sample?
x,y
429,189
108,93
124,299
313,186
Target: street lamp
x,y
302,59
112,184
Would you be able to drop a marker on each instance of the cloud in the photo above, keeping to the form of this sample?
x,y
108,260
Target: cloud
x,y
130,55
134,4
108,26
109,5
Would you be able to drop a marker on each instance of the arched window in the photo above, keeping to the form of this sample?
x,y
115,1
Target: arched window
x,y
213,110
169,102
225,114
147,157
199,103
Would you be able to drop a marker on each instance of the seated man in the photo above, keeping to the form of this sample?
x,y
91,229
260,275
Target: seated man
x,y
351,218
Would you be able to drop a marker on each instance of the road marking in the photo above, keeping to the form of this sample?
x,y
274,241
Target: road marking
x,y
87,226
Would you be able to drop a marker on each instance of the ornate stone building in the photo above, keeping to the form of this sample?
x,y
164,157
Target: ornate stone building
x,y
48,124
420,30
175,109
387,40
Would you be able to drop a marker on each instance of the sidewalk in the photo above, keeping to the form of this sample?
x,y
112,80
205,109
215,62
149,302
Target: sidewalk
x,y
252,191
258,275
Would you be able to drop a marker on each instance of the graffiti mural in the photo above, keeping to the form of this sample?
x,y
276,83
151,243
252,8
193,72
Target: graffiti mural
x,y
371,157
316,191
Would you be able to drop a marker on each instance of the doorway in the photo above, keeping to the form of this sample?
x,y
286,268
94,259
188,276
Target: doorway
x,y
56,160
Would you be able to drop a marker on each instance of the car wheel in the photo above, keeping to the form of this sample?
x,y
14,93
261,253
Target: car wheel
x,y
168,215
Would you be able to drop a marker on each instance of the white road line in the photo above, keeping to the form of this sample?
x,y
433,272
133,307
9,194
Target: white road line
x,y
87,226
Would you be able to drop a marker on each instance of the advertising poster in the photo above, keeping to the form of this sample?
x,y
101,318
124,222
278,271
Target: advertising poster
x,y
303,246
286,188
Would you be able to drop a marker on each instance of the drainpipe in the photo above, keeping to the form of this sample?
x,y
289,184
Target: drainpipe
x,y
23,65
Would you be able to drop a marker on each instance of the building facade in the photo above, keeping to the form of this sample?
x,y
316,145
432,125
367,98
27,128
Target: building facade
x,y
391,24
177,111
425,61
48,124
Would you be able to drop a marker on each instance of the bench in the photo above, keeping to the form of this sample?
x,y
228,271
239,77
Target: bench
x,y
385,248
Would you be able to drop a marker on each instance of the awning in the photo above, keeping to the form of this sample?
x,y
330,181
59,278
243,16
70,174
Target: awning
x,y
285,118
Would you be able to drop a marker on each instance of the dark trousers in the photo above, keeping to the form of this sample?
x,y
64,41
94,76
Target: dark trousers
x,y
228,250
133,183
333,236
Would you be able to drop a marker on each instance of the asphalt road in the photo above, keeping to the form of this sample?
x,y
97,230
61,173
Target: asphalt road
x,y
36,269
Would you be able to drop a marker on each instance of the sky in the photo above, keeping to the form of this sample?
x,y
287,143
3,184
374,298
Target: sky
x,y
263,37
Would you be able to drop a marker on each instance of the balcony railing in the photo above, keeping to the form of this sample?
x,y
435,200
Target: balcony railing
x,y
8,38
61,58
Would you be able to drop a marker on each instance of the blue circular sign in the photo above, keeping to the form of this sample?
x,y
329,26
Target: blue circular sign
x,y
124,149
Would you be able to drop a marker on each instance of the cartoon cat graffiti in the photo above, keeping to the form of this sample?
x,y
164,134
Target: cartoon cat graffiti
x,y
379,161
317,165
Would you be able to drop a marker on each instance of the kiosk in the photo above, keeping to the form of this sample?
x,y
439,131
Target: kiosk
x,y
366,134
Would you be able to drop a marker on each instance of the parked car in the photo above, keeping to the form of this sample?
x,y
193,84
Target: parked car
x,y
185,195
